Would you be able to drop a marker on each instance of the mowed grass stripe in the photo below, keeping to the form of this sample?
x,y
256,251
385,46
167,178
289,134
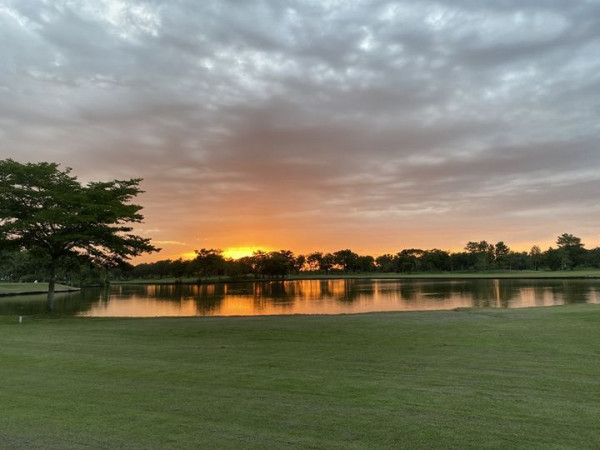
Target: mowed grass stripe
x,y
449,379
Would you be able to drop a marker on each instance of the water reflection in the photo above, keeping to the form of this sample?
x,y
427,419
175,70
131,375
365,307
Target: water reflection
x,y
308,297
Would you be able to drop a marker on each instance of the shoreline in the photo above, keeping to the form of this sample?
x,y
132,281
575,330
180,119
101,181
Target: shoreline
x,y
368,276
32,289
42,288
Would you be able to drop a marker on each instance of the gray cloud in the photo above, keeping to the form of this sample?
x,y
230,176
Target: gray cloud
x,y
368,124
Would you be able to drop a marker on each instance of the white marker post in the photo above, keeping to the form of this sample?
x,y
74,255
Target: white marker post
x,y
20,319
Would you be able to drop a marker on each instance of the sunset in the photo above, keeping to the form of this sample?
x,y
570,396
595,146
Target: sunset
x,y
240,252
312,126
324,224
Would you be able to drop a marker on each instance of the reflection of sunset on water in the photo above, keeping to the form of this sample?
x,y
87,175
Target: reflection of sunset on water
x,y
331,297
142,307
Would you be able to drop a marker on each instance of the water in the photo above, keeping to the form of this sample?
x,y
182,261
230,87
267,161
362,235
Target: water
x,y
308,297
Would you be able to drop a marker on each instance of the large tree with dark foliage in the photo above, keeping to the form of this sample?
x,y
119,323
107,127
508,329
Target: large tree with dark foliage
x,y
49,213
572,251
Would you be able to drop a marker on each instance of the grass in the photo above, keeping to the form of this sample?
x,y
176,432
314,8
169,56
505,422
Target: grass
x,y
474,378
31,288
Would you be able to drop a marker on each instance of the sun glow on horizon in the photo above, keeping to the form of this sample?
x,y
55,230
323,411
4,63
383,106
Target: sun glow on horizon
x,y
240,252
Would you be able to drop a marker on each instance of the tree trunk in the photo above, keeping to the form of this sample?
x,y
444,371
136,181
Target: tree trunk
x,y
51,285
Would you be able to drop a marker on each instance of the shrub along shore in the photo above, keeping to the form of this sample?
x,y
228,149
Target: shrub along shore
x,y
469,378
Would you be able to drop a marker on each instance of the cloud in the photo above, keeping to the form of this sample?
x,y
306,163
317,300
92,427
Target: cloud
x,y
313,121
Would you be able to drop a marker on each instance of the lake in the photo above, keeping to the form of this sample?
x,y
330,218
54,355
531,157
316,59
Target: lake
x,y
307,297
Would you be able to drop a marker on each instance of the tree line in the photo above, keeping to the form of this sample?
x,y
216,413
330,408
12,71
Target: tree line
x,y
477,256
53,227
569,253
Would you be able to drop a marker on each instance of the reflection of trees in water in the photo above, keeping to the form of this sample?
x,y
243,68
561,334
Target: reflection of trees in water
x,y
204,306
342,291
506,293
285,293
274,293
497,293
491,293
575,291
415,290
352,290
68,303
409,291
481,293
209,299
277,290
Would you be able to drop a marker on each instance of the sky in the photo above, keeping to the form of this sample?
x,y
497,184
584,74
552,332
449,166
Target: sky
x,y
317,125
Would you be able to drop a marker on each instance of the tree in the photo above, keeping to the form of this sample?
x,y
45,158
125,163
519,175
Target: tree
x,y
593,257
49,213
435,260
553,258
289,257
501,253
535,256
386,263
278,264
18,266
314,261
327,262
409,260
299,263
482,254
208,262
346,259
572,250
366,263
566,240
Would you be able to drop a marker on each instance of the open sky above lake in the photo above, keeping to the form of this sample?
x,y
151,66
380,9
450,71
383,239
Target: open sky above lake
x,y
317,125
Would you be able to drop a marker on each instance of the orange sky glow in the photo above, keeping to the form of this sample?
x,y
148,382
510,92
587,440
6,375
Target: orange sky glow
x,y
317,126
381,241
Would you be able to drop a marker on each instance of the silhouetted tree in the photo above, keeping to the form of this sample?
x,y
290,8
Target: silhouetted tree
x,y
178,268
346,259
365,263
278,264
386,263
553,258
327,262
208,262
289,257
535,257
48,212
517,261
299,263
572,250
482,254
409,260
314,261
435,260
461,261
501,252
592,258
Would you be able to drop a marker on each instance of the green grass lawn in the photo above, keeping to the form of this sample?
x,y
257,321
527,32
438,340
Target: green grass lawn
x,y
475,378
30,288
